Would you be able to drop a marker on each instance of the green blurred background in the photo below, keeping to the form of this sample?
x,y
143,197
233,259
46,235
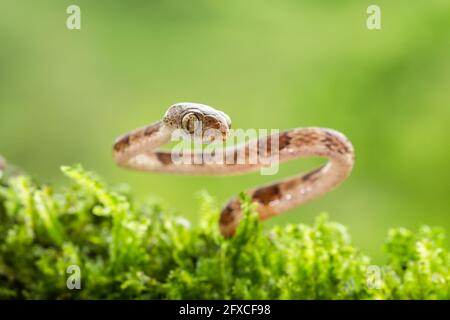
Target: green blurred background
x,y
65,95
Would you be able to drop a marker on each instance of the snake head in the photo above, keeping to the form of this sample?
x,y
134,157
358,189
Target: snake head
x,y
200,121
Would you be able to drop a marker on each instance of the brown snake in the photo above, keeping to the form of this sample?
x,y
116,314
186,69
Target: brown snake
x,y
137,150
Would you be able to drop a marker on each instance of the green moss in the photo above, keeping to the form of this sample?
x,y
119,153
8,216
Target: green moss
x,y
140,251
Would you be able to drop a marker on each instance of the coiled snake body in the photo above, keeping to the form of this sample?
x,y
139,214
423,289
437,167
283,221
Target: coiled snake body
x,y
137,150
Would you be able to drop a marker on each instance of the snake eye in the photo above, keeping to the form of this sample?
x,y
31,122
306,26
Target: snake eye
x,y
190,122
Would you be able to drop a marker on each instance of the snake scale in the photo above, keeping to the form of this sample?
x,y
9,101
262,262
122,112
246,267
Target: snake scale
x,y
137,150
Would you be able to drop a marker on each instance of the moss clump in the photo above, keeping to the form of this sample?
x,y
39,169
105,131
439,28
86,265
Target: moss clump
x,y
139,251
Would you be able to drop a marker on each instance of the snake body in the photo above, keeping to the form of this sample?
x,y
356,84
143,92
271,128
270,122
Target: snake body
x,y
137,150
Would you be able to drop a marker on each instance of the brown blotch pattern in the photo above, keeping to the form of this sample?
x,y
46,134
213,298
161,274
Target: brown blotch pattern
x,y
285,140
267,194
334,144
151,129
122,143
164,157
228,214
307,138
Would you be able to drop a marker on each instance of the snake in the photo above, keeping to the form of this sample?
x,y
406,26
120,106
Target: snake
x,y
140,150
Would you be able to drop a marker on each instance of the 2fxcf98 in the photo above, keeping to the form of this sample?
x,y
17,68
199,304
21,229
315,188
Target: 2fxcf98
x,y
246,309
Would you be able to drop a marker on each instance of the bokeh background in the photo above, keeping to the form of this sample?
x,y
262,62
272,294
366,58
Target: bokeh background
x,y
65,95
